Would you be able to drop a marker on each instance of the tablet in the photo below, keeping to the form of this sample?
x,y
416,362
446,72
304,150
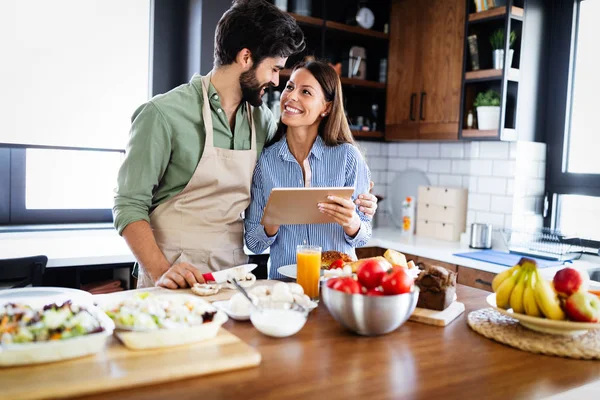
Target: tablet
x,y
290,206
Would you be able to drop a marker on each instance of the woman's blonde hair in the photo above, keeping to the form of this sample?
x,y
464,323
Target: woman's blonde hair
x,y
334,128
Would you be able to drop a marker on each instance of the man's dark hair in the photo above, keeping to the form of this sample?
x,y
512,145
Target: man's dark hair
x,y
258,26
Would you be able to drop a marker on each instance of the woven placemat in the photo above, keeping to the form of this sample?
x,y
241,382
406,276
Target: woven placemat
x,y
501,328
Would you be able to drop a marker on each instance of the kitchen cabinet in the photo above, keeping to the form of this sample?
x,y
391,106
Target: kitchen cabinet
x,y
423,261
475,278
425,69
368,252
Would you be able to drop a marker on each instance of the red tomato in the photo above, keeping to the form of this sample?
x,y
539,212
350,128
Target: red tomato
x,y
337,264
331,282
370,273
374,292
347,285
396,281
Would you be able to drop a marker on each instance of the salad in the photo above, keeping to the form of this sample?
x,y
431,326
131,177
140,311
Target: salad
x,y
145,311
21,323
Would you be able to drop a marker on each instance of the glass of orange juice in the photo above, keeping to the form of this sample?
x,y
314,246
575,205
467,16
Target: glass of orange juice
x,y
308,261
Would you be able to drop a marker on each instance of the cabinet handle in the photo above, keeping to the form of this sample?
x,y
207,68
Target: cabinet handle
x,y
421,116
413,97
478,280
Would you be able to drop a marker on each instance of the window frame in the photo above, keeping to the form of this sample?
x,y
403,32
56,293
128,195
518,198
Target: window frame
x,y
563,40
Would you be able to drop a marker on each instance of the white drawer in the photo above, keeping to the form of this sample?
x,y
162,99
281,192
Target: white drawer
x,y
437,230
437,213
441,196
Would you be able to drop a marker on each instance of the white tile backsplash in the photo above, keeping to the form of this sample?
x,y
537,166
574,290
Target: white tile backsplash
x,y
397,164
429,150
503,168
453,150
502,204
491,185
494,150
450,181
440,166
505,180
460,167
479,202
481,167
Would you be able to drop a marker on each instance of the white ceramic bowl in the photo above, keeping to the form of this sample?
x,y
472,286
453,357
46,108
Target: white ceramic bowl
x,y
279,319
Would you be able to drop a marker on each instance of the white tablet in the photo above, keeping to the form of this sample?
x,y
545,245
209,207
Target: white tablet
x,y
290,206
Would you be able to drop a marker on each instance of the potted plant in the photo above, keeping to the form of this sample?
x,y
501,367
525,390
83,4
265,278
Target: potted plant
x,y
488,109
497,42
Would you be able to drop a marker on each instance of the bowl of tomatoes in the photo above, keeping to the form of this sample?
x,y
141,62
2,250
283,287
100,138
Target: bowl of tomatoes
x,y
378,300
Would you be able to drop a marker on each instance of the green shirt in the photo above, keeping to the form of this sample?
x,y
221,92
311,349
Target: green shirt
x,y
167,141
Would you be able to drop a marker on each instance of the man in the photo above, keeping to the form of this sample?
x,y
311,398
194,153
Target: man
x,y
188,168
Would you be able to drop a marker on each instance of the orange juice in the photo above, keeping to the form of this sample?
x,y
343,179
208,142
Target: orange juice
x,y
308,260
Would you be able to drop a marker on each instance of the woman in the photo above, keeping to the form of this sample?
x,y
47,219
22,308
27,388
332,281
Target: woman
x,y
313,147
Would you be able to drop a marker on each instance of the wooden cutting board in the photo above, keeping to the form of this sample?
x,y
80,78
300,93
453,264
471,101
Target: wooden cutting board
x,y
118,368
438,318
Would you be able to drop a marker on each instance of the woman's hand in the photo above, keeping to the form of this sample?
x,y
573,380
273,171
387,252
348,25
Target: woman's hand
x,y
367,203
343,212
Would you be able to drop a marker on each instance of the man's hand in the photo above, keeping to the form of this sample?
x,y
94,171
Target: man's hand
x,y
367,202
180,275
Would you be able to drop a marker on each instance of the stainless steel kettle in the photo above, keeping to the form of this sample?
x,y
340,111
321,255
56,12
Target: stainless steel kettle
x,y
481,236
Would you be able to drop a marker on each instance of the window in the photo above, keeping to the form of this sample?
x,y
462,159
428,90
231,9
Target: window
x,y
72,74
573,174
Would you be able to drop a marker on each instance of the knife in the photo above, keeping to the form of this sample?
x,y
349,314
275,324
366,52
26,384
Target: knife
x,y
224,275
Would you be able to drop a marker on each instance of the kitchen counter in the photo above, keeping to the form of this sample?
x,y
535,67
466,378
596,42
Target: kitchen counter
x,y
390,238
105,246
323,361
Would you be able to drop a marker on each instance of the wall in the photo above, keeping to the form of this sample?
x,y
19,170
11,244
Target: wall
x,y
505,180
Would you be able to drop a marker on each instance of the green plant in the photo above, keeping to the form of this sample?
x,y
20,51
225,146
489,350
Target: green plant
x,y
487,99
497,39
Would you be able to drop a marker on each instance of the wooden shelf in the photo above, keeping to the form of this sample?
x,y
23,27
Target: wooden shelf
x,y
477,133
304,20
367,134
345,81
494,13
355,30
491,74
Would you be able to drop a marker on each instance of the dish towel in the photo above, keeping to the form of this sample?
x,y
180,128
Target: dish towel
x,y
506,259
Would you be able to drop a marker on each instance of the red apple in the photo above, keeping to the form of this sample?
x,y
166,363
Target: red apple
x,y
583,307
570,280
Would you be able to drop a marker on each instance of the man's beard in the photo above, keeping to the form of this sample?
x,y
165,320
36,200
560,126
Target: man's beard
x,y
251,88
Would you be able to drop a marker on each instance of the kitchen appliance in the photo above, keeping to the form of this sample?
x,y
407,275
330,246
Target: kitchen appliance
x,y
481,236
356,64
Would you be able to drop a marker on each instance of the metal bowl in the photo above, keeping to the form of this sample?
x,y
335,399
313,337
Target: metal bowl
x,y
370,315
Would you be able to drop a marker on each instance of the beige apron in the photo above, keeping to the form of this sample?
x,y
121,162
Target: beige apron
x,y
202,225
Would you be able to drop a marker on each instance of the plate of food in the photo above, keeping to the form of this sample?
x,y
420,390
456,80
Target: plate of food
x,y
36,332
239,308
147,320
335,263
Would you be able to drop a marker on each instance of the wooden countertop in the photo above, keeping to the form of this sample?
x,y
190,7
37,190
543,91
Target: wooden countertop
x,y
416,361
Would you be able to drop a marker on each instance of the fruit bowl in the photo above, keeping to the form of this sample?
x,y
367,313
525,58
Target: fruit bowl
x,y
370,315
545,325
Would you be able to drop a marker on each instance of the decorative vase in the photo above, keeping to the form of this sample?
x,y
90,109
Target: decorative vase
x,y
488,117
499,58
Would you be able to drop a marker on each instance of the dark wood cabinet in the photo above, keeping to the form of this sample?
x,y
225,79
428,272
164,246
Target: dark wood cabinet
x,y
425,69
475,278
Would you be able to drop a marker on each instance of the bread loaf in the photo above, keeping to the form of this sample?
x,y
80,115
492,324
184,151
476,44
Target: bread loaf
x,y
438,287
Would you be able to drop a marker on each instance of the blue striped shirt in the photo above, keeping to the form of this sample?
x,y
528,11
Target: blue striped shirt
x,y
331,166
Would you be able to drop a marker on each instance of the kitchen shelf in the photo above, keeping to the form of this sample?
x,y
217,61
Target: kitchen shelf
x,y
496,13
345,81
491,74
510,133
478,133
367,134
337,26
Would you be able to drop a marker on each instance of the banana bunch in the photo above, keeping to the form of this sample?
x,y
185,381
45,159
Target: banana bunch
x,y
526,292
